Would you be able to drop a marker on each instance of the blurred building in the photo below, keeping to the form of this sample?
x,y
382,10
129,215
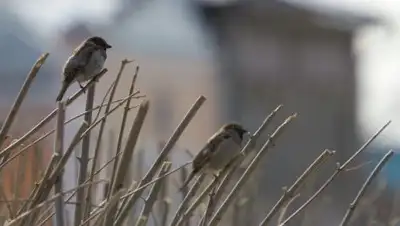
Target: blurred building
x,y
274,52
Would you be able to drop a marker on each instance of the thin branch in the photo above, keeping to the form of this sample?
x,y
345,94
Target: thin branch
x,y
358,166
52,131
88,197
112,86
122,127
249,170
8,205
18,101
163,207
84,159
361,192
212,203
73,194
37,189
335,174
111,204
141,188
48,117
44,203
182,207
51,178
58,152
152,197
129,193
161,157
285,207
102,105
126,157
291,192
50,166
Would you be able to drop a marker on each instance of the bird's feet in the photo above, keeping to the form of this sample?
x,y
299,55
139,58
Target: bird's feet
x,y
215,176
82,88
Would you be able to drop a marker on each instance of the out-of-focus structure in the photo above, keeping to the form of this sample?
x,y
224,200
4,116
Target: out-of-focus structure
x,y
264,53
274,52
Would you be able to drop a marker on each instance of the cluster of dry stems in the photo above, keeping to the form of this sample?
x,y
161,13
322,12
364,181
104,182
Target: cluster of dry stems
x,y
47,199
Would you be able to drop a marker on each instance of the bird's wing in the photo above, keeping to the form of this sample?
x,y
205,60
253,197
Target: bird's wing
x,y
79,59
203,157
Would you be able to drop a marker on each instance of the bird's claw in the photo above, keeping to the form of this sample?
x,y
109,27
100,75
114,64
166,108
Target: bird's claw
x,y
82,88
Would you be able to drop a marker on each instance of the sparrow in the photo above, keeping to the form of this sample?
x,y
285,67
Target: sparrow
x,y
86,61
218,151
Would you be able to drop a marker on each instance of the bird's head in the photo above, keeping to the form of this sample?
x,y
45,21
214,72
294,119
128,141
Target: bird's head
x,y
236,128
98,41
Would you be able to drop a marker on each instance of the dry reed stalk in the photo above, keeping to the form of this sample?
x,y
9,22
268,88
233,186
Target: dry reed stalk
x,y
161,157
339,169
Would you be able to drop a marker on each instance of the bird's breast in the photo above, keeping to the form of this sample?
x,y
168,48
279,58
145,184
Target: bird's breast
x,y
95,63
225,152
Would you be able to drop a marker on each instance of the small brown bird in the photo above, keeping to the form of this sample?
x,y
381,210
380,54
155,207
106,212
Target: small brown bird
x,y
218,151
86,61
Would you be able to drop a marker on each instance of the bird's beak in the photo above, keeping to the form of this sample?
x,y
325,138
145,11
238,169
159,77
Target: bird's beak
x,y
108,46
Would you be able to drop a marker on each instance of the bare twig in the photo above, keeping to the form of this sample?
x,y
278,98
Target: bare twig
x,y
18,101
141,188
36,191
285,207
8,205
23,215
291,192
84,159
164,201
87,206
112,86
48,117
177,220
144,186
212,202
152,197
224,206
52,131
127,155
164,153
73,194
335,174
111,204
363,188
50,179
122,127
102,105
357,167
58,151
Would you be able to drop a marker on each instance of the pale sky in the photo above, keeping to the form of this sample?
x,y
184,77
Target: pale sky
x,y
49,15
379,49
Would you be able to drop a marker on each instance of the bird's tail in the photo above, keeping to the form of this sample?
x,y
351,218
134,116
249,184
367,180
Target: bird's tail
x,y
190,177
64,88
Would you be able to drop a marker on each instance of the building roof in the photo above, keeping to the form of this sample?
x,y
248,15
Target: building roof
x,y
321,16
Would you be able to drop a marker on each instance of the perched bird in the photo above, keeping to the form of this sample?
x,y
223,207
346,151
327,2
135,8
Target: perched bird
x,y
86,61
218,151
